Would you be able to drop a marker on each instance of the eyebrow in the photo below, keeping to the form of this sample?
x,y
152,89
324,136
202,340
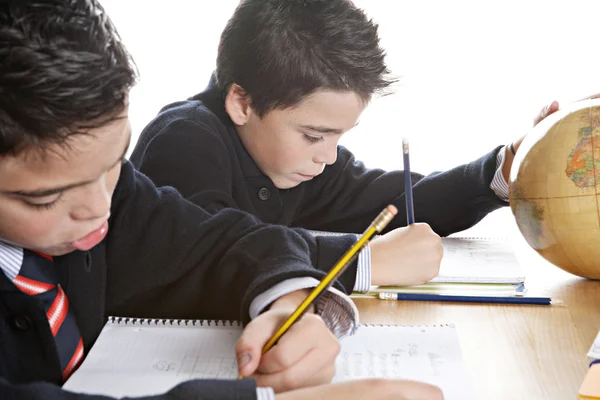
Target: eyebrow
x,y
49,192
323,129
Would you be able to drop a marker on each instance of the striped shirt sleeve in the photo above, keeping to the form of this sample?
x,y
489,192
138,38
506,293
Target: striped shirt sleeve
x,y
337,310
362,284
499,185
265,394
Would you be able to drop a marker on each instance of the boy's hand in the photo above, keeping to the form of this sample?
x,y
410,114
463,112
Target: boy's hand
x,y
509,156
406,256
544,112
304,356
377,389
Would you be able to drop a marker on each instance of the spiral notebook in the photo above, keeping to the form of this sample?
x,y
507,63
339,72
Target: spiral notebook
x,y
137,357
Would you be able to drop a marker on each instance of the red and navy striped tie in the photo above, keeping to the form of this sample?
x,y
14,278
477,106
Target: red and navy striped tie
x,y
38,278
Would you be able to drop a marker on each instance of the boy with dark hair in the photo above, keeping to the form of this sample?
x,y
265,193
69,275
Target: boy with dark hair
x,y
84,236
291,78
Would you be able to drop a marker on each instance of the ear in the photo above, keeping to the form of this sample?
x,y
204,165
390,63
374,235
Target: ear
x,y
237,104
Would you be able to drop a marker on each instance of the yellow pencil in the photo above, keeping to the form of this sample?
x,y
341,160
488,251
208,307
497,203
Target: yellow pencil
x,y
376,226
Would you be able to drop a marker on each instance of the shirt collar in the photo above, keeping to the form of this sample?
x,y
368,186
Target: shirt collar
x,y
11,259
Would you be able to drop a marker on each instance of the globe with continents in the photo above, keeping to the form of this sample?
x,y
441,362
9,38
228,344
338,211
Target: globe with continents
x,y
555,188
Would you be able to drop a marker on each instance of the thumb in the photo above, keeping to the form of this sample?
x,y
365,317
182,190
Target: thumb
x,y
248,348
549,109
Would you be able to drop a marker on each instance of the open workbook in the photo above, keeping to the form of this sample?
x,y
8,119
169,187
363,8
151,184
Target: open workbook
x,y
135,357
474,260
479,260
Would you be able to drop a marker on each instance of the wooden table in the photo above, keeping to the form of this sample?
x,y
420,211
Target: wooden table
x,y
515,352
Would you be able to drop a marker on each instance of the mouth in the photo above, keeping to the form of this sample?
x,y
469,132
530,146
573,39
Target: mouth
x,y
306,177
91,239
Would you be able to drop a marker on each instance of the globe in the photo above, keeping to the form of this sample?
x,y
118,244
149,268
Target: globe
x,y
555,188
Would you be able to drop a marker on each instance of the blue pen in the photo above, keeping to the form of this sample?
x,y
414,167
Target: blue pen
x,y
466,299
410,212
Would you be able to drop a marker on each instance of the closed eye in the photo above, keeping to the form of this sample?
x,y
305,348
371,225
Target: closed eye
x,y
313,139
44,206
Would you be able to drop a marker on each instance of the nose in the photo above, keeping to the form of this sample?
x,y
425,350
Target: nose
x,y
94,201
327,155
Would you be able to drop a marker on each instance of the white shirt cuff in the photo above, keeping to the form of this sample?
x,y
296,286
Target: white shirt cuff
x,y
337,310
499,185
265,394
362,284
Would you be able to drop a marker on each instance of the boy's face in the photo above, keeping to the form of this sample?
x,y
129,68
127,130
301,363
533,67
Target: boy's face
x,y
59,201
293,145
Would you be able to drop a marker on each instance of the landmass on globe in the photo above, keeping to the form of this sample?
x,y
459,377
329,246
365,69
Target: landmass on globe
x,y
583,164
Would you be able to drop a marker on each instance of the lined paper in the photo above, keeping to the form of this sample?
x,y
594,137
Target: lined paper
x,y
145,359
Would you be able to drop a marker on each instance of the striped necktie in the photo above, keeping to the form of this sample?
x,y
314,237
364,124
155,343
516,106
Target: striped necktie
x,y
37,277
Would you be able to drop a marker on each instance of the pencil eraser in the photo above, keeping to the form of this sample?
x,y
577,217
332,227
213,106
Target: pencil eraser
x,y
590,388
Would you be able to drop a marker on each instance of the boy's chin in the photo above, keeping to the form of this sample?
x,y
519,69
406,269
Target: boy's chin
x,y
58,250
284,182
287,185
62,252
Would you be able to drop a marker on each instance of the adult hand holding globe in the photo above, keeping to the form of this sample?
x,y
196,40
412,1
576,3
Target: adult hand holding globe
x,y
555,187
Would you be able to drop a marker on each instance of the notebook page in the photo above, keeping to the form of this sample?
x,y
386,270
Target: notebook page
x,y
136,360
425,353
473,260
479,260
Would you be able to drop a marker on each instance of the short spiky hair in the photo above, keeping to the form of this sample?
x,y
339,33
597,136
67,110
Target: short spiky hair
x,y
280,51
63,70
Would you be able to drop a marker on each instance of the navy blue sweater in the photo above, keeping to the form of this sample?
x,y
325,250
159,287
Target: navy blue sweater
x,y
193,146
163,257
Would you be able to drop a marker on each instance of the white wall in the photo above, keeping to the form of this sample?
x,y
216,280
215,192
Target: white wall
x,y
473,73
174,47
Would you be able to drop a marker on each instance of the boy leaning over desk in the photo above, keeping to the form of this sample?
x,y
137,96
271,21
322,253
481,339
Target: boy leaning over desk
x,y
292,77
84,236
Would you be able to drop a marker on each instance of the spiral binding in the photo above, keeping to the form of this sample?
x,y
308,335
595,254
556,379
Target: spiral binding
x,y
486,238
172,322
407,326
228,323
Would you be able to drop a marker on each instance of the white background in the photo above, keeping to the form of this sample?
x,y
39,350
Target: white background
x,y
473,74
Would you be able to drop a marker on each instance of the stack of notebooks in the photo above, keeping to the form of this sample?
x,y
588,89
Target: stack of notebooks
x,y
473,270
